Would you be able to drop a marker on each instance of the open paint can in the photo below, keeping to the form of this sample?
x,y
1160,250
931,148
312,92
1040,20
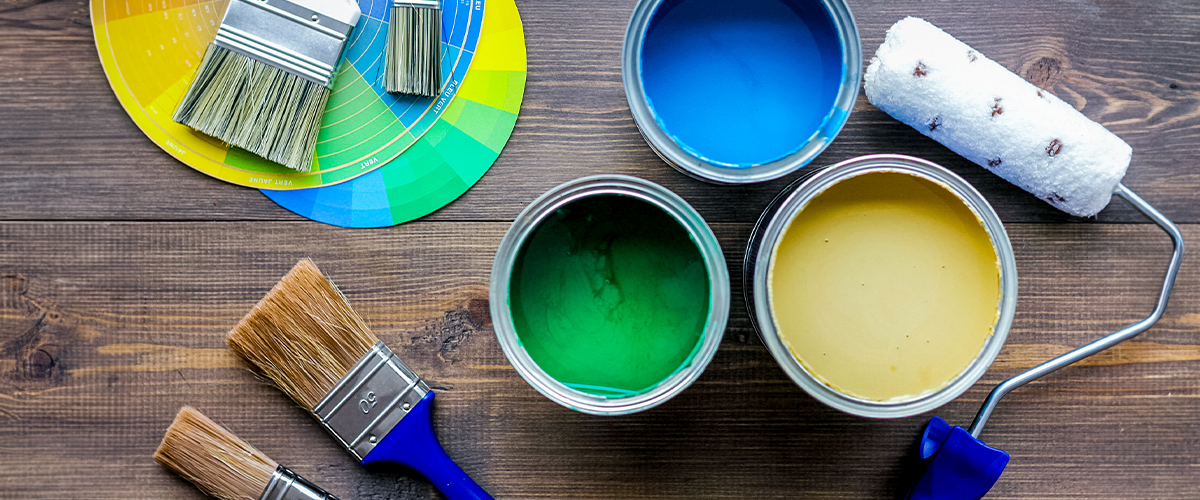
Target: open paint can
x,y
609,294
884,286
740,92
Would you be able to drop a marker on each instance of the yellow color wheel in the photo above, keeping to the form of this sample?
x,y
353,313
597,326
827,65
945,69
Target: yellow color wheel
x,y
150,50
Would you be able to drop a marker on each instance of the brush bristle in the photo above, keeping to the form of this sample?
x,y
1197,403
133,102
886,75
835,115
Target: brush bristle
x,y
262,109
414,49
303,335
214,459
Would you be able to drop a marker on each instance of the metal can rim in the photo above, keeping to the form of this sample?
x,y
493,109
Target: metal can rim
x,y
698,168
670,203
795,202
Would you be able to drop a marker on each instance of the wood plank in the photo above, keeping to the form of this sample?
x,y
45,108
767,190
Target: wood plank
x,y
107,328
68,151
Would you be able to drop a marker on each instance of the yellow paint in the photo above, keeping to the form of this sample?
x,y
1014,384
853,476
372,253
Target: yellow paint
x,y
885,286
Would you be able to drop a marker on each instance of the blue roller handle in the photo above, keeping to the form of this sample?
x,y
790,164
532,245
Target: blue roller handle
x,y
413,444
960,466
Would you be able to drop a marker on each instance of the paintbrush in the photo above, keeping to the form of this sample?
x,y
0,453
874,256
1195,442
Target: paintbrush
x,y
264,80
305,337
224,466
414,48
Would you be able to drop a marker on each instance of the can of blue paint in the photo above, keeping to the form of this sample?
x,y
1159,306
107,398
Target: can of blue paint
x,y
742,92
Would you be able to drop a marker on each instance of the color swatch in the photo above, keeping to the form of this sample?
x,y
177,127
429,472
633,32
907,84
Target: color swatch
x,y
451,157
150,50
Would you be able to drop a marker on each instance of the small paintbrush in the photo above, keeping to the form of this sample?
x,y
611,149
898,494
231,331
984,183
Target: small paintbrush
x,y
264,80
305,337
412,64
224,466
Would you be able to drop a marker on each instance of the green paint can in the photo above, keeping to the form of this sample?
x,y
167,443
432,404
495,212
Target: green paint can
x,y
609,294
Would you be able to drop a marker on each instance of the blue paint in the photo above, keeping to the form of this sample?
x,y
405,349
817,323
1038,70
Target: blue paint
x,y
742,83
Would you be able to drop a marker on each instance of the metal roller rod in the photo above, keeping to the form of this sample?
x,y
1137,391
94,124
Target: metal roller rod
x,y
1127,333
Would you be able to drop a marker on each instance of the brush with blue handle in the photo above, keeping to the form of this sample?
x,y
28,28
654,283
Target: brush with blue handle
x,y
305,337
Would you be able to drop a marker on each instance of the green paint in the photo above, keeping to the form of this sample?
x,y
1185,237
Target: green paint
x,y
610,295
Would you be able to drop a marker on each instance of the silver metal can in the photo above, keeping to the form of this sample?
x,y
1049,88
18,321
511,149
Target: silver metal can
x,y
764,242
695,165
524,226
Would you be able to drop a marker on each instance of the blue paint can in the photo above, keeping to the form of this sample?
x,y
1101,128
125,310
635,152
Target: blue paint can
x,y
741,92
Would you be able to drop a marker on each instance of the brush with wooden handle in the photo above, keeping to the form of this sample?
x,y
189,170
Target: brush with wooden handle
x,y
224,466
305,337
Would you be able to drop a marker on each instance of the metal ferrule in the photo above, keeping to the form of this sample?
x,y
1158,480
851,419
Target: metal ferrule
x,y
289,35
370,400
422,4
287,485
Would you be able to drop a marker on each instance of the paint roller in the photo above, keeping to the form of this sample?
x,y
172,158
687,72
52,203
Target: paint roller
x,y
950,92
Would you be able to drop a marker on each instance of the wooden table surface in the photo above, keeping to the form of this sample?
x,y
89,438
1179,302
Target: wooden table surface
x,y
121,271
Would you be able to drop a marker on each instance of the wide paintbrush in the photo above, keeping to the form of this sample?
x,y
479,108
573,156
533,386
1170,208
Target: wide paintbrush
x,y
305,337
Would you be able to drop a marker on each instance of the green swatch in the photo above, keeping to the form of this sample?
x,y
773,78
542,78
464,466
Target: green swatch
x,y
610,295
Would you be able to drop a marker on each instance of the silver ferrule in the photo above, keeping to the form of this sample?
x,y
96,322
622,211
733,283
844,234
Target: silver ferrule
x,y
370,400
289,35
287,485
420,4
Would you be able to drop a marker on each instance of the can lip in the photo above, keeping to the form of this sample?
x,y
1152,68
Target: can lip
x,y
532,216
794,202
671,153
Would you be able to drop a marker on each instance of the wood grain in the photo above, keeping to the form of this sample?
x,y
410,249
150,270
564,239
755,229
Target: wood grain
x,y
121,270
107,328
68,151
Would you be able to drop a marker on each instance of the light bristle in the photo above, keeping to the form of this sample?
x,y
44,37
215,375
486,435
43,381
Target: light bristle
x,y
257,107
412,64
303,335
212,458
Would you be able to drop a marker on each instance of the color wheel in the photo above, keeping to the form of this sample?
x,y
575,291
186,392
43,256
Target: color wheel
x,y
448,159
150,50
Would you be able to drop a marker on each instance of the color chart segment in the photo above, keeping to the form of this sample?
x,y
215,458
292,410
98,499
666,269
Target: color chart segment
x,y
150,50
451,157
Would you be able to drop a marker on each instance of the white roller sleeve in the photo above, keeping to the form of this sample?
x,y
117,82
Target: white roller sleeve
x,y
928,79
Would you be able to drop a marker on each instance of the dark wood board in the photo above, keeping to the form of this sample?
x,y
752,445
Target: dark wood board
x,y
68,151
110,327
121,270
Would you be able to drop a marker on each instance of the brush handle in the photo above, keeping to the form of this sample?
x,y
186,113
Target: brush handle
x,y
413,444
